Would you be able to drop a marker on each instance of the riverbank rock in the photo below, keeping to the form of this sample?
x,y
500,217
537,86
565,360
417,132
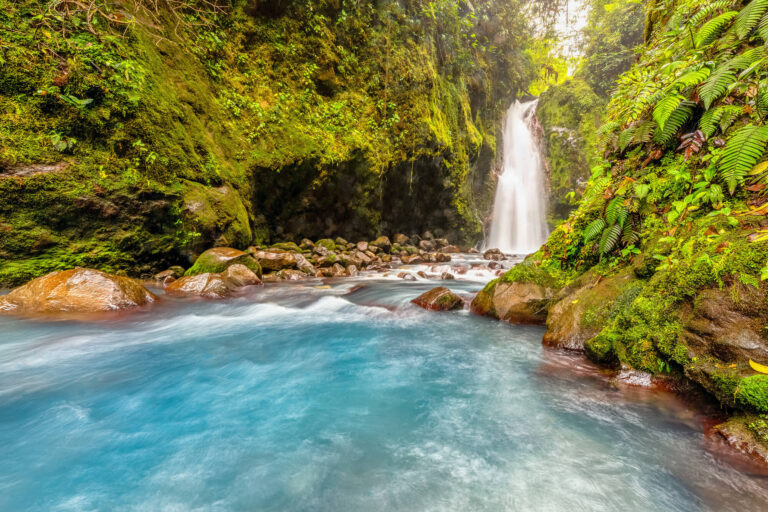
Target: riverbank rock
x,y
274,260
382,243
517,303
79,290
217,260
211,286
439,299
238,275
494,254
581,310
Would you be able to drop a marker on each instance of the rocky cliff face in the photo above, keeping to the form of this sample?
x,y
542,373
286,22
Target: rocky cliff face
x,y
136,134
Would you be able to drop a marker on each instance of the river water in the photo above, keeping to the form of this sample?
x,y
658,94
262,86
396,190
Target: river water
x,y
337,396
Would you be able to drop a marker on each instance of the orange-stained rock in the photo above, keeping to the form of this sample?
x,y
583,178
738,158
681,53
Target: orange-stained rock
x,y
79,290
211,286
439,299
238,275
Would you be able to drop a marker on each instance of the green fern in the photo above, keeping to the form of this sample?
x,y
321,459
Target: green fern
x,y
625,137
665,107
730,114
725,75
705,11
610,239
749,17
628,235
762,29
709,120
691,79
616,212
712,29
743,150
761,100
676,120
643,132
593,229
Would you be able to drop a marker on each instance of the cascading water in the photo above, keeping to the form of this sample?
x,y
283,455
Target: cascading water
x,y
519,223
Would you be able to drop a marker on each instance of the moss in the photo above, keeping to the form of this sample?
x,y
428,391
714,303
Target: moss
x,y
214,261
327,243
752,393
529,272
600,349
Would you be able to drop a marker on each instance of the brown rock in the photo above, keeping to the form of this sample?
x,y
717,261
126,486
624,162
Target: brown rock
x,y
217,260
406,276
275,259
338,271
450,249
446,276
79,290
238,275
291,275
439,299
427,245
518,303
401,239
352,270
382,243
362,246
304,265
211,286
494,254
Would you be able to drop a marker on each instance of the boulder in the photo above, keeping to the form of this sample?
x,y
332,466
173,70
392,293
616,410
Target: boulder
x,y
441,257
446,276
286,246
209,285
382,243
362,246
427,235
238,275
406,276
304,265
321,250
327,243
168,276
274,260
306,244
518,303
216,260
472,250
439,299
401,239
291,275
494,254
441,242
79,290
338,271
449,249
427,245
413,260
580,311
340,241
352,270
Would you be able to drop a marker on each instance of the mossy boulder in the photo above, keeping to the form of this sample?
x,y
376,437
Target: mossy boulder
x,y
217,214
439,299
274,260
216,260
327,243
752,393
518,303
79,290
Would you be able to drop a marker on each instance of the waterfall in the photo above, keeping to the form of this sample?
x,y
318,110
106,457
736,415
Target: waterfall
x,y
519,223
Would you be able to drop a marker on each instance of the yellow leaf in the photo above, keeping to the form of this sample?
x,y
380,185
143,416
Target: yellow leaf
x,y
325,287
575,301
759,168
758,367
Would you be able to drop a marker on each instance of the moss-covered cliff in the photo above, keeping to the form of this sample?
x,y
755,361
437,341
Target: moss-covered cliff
x,y
662,267
134,134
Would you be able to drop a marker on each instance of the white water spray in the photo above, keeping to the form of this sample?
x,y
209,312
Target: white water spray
x,y
519,224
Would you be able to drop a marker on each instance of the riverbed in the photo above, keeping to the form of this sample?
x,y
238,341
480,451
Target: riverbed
x,y
338,395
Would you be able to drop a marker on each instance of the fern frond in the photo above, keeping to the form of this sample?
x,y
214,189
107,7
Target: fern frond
x,y
705,11
749,17
709,120
613,209
643,132
610,239
665,107
625,137
691,79
712,29
743,150
762,29
725,74
593,229
730,114
676,120
628,235
761,100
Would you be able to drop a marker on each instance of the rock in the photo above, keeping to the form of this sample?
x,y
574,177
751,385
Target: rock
x,y
238,275
449,249
441,242
382,243
362,257
286,246
400,239
493,265
427,245
518,303
211,286
407,276
166,277
352,270
321,250
494,254
413,260
442,257
579,312
472,250
290,275
362,246
422,274
338,271
327,243
386,258
439,299
304,265
217,260
340,241
79,290
306,244
427,235
275,259
446,276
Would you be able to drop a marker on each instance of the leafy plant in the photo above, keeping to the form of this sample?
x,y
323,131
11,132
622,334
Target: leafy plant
x,y
743,150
